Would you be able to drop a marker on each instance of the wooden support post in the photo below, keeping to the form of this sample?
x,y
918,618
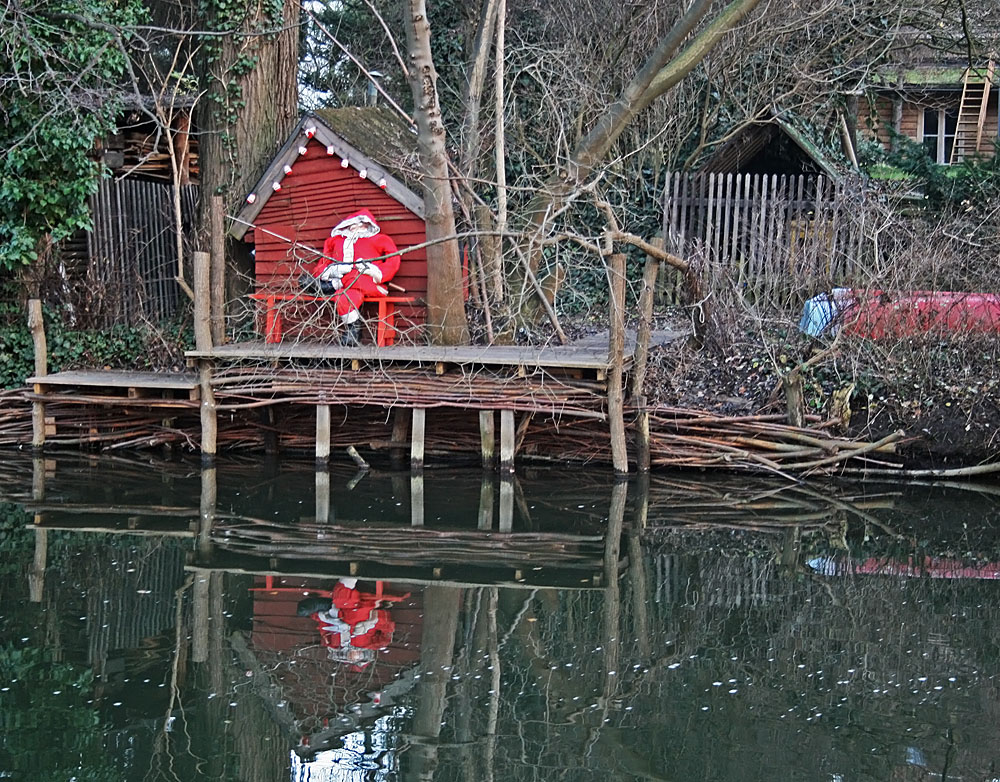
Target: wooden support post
x,y
417,499
322,434
400,434
209,418
616,358
37,327
203,342
508,440
417,439
322,497
487,436
268,422
486,503
506,504
642,339
217,274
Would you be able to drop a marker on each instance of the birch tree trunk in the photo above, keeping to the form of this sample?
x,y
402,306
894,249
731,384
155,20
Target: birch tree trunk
x,y
446,321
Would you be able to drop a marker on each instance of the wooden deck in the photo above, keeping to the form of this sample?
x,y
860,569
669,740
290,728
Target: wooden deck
x,y
99,385
588,353
570,357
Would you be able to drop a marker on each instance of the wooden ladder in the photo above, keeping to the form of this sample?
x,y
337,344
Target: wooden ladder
x,y
972,112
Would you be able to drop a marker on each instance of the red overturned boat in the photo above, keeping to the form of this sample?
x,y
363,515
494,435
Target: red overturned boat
x,y
891,314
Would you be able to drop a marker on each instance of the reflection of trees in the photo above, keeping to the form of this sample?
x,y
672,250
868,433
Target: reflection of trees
x,y
830,675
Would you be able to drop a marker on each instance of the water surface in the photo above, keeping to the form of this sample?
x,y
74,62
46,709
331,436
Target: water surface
x,y
559,626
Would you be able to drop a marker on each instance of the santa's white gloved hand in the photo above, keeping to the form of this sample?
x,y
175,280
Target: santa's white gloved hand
x,y
371,270
335,271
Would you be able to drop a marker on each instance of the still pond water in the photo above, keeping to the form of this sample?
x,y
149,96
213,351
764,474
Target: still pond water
x,y
262,621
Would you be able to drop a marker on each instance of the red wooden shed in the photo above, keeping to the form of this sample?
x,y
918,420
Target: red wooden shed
x,y
335,162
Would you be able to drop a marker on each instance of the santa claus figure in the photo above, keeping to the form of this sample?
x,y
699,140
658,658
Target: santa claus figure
x,y
353,267
352,625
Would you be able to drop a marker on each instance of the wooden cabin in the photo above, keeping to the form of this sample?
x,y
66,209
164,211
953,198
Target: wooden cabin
x,y
951,110
335,162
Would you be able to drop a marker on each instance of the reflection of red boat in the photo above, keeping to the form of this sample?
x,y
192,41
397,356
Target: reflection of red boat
x,y
927,567
881,314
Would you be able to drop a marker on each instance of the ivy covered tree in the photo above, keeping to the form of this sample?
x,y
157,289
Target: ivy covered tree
x,y
62,64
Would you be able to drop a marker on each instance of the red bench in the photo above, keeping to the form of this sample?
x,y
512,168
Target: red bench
x,y
385,333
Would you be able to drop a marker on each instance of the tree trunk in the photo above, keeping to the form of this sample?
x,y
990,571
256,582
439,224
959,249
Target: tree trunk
x,y
247,111
446,321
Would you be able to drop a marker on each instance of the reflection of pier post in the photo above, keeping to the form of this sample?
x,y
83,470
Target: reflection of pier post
x,y
200,592
486,503
506,504
441,606
637,568
612,590
322,496
791,548
36,578
417,499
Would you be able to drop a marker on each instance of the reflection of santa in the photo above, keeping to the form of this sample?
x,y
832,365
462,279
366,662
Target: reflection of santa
x,y
354,627
347,271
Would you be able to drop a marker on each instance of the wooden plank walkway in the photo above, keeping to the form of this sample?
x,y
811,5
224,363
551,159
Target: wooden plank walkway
x,y
111,378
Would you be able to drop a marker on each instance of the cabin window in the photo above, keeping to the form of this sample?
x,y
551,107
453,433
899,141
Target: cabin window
x,y
938,135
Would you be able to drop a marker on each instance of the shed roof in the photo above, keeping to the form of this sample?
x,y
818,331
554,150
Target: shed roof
x,y
370,139
752,139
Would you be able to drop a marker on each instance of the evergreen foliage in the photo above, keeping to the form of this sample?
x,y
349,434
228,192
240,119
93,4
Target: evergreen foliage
x,y
61,61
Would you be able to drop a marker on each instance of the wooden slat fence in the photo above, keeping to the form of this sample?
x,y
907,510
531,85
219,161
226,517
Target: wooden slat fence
x,y
766,239
132,256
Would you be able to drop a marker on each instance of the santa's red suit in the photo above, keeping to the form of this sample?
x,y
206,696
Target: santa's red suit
x,y
347,270
354,627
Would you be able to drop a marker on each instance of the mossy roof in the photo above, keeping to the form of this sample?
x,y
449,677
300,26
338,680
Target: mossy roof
x,y
381,134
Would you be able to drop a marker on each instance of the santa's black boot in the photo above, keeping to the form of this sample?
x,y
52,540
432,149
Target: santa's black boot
x,y
352,335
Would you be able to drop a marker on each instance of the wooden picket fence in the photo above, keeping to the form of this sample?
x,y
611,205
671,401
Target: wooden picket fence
x,y
766,239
